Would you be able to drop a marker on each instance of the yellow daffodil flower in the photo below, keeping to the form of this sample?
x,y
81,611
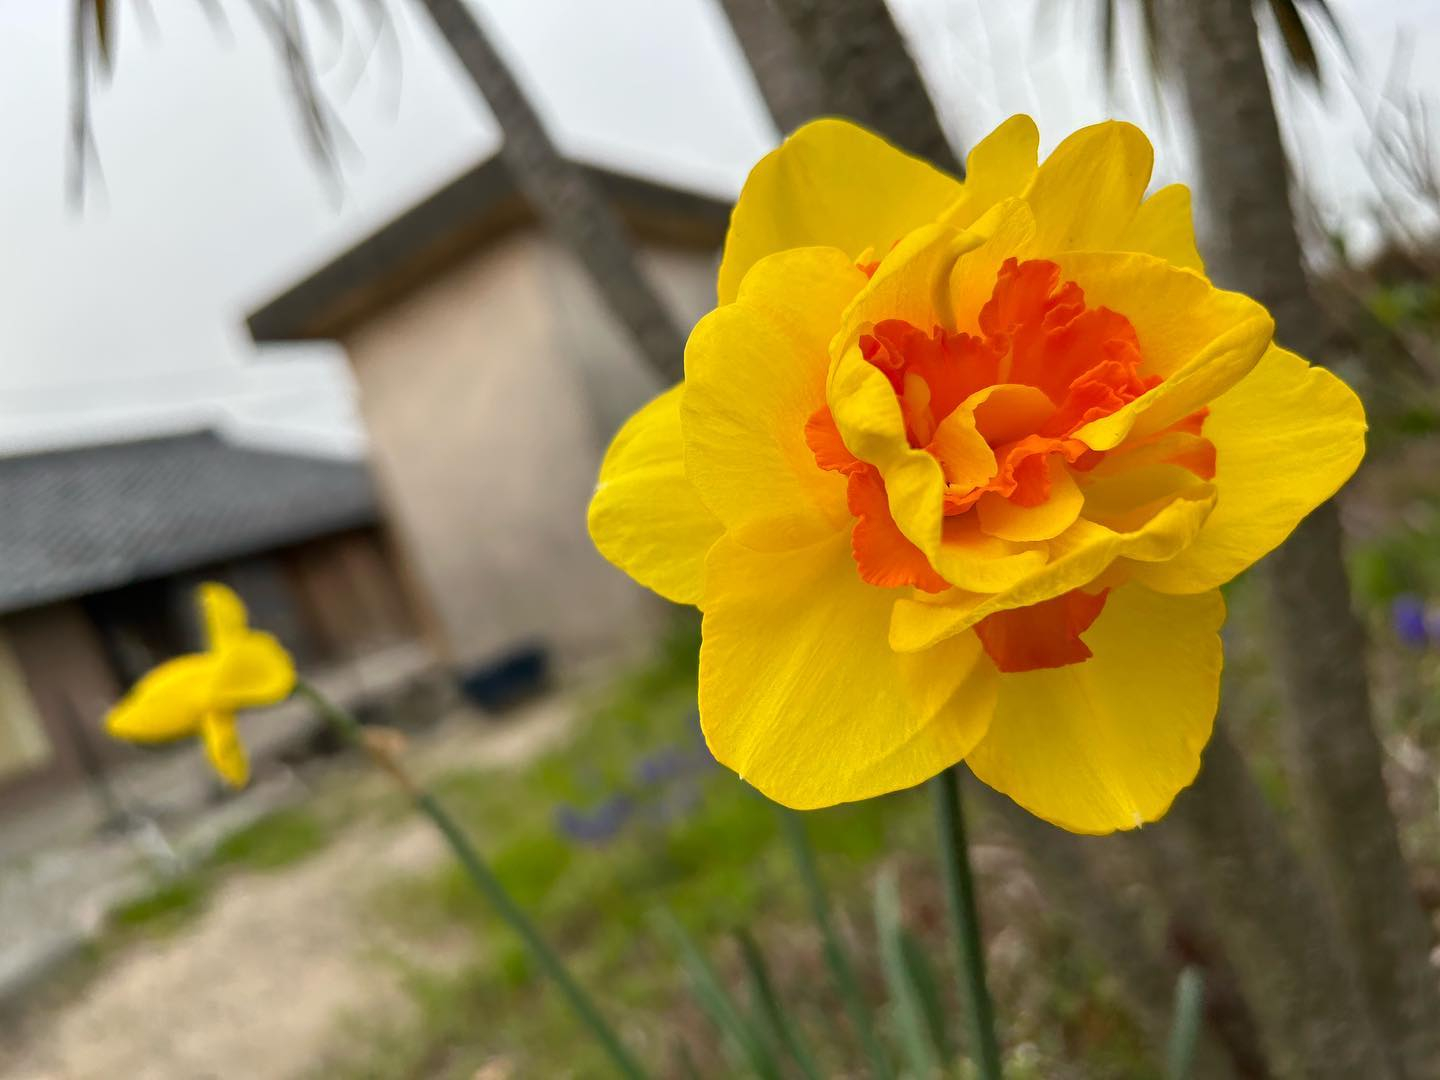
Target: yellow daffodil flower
x,y
957,469
199,693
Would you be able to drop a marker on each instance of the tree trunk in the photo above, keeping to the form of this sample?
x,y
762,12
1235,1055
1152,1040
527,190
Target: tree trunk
x,y
1333,751
1276,929
788,83
560,192
868,74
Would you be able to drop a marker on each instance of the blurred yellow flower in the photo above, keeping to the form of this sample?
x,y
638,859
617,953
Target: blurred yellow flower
x,y
199,693
957,469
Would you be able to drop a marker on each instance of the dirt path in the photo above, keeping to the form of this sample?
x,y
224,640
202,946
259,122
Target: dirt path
x,y
255,987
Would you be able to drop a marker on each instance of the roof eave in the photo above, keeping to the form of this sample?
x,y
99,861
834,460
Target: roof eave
x,y
472,210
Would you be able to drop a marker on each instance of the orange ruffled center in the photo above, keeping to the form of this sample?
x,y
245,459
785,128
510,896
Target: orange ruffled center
x,y
999,412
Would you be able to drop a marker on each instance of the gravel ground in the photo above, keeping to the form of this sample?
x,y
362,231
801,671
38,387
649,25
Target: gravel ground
x,y
256,986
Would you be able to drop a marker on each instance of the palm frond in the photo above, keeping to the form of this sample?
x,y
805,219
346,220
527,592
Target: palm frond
x,y
89,50
1298,46
93,56
214,12
318,124
1108,43
1296,36
102,13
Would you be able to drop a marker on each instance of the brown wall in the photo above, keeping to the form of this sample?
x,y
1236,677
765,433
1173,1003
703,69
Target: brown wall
x,y
25,746
349,593
69,679
489,395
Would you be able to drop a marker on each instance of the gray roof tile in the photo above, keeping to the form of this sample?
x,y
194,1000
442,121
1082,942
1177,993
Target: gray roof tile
x,y
81,520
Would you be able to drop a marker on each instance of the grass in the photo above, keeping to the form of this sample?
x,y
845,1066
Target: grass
x,y
169,907
700,845
273,842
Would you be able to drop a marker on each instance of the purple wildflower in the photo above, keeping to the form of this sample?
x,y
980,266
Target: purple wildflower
x,y
1407,613
599,825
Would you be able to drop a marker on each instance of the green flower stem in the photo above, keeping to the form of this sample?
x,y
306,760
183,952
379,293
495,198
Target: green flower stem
x,y
1185,1031
960,885
482,877
793,826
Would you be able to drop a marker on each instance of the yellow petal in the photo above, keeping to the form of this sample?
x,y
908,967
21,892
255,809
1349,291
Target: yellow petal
x,y
225,750
1005,412
1163,227
1201,339
1000,166
830,184
222,614
1166,448
1006,231
1022,574
970,558
1087,191
1177,314
800,694
966,459
914,285
1077,558
755,374
1011,521
1127,499
254,671
1108,743
1286,437
168,702
868,415
911,283
645,517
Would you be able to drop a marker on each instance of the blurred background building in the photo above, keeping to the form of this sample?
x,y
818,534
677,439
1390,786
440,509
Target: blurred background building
x,y
104,544
490,377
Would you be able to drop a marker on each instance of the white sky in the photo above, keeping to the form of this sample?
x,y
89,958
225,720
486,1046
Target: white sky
x,y
129,317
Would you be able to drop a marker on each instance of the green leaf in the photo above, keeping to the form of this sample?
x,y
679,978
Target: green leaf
x,y
746,1043
767,1004
792,825
915,1036
923,976
1185,1025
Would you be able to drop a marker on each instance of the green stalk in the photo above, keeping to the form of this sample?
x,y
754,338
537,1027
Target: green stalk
x,y
1185,1029
793,826
767,1001
483,878
960,885
908,1005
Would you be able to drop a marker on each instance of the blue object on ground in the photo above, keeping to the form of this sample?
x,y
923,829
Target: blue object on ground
x,y
513,677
